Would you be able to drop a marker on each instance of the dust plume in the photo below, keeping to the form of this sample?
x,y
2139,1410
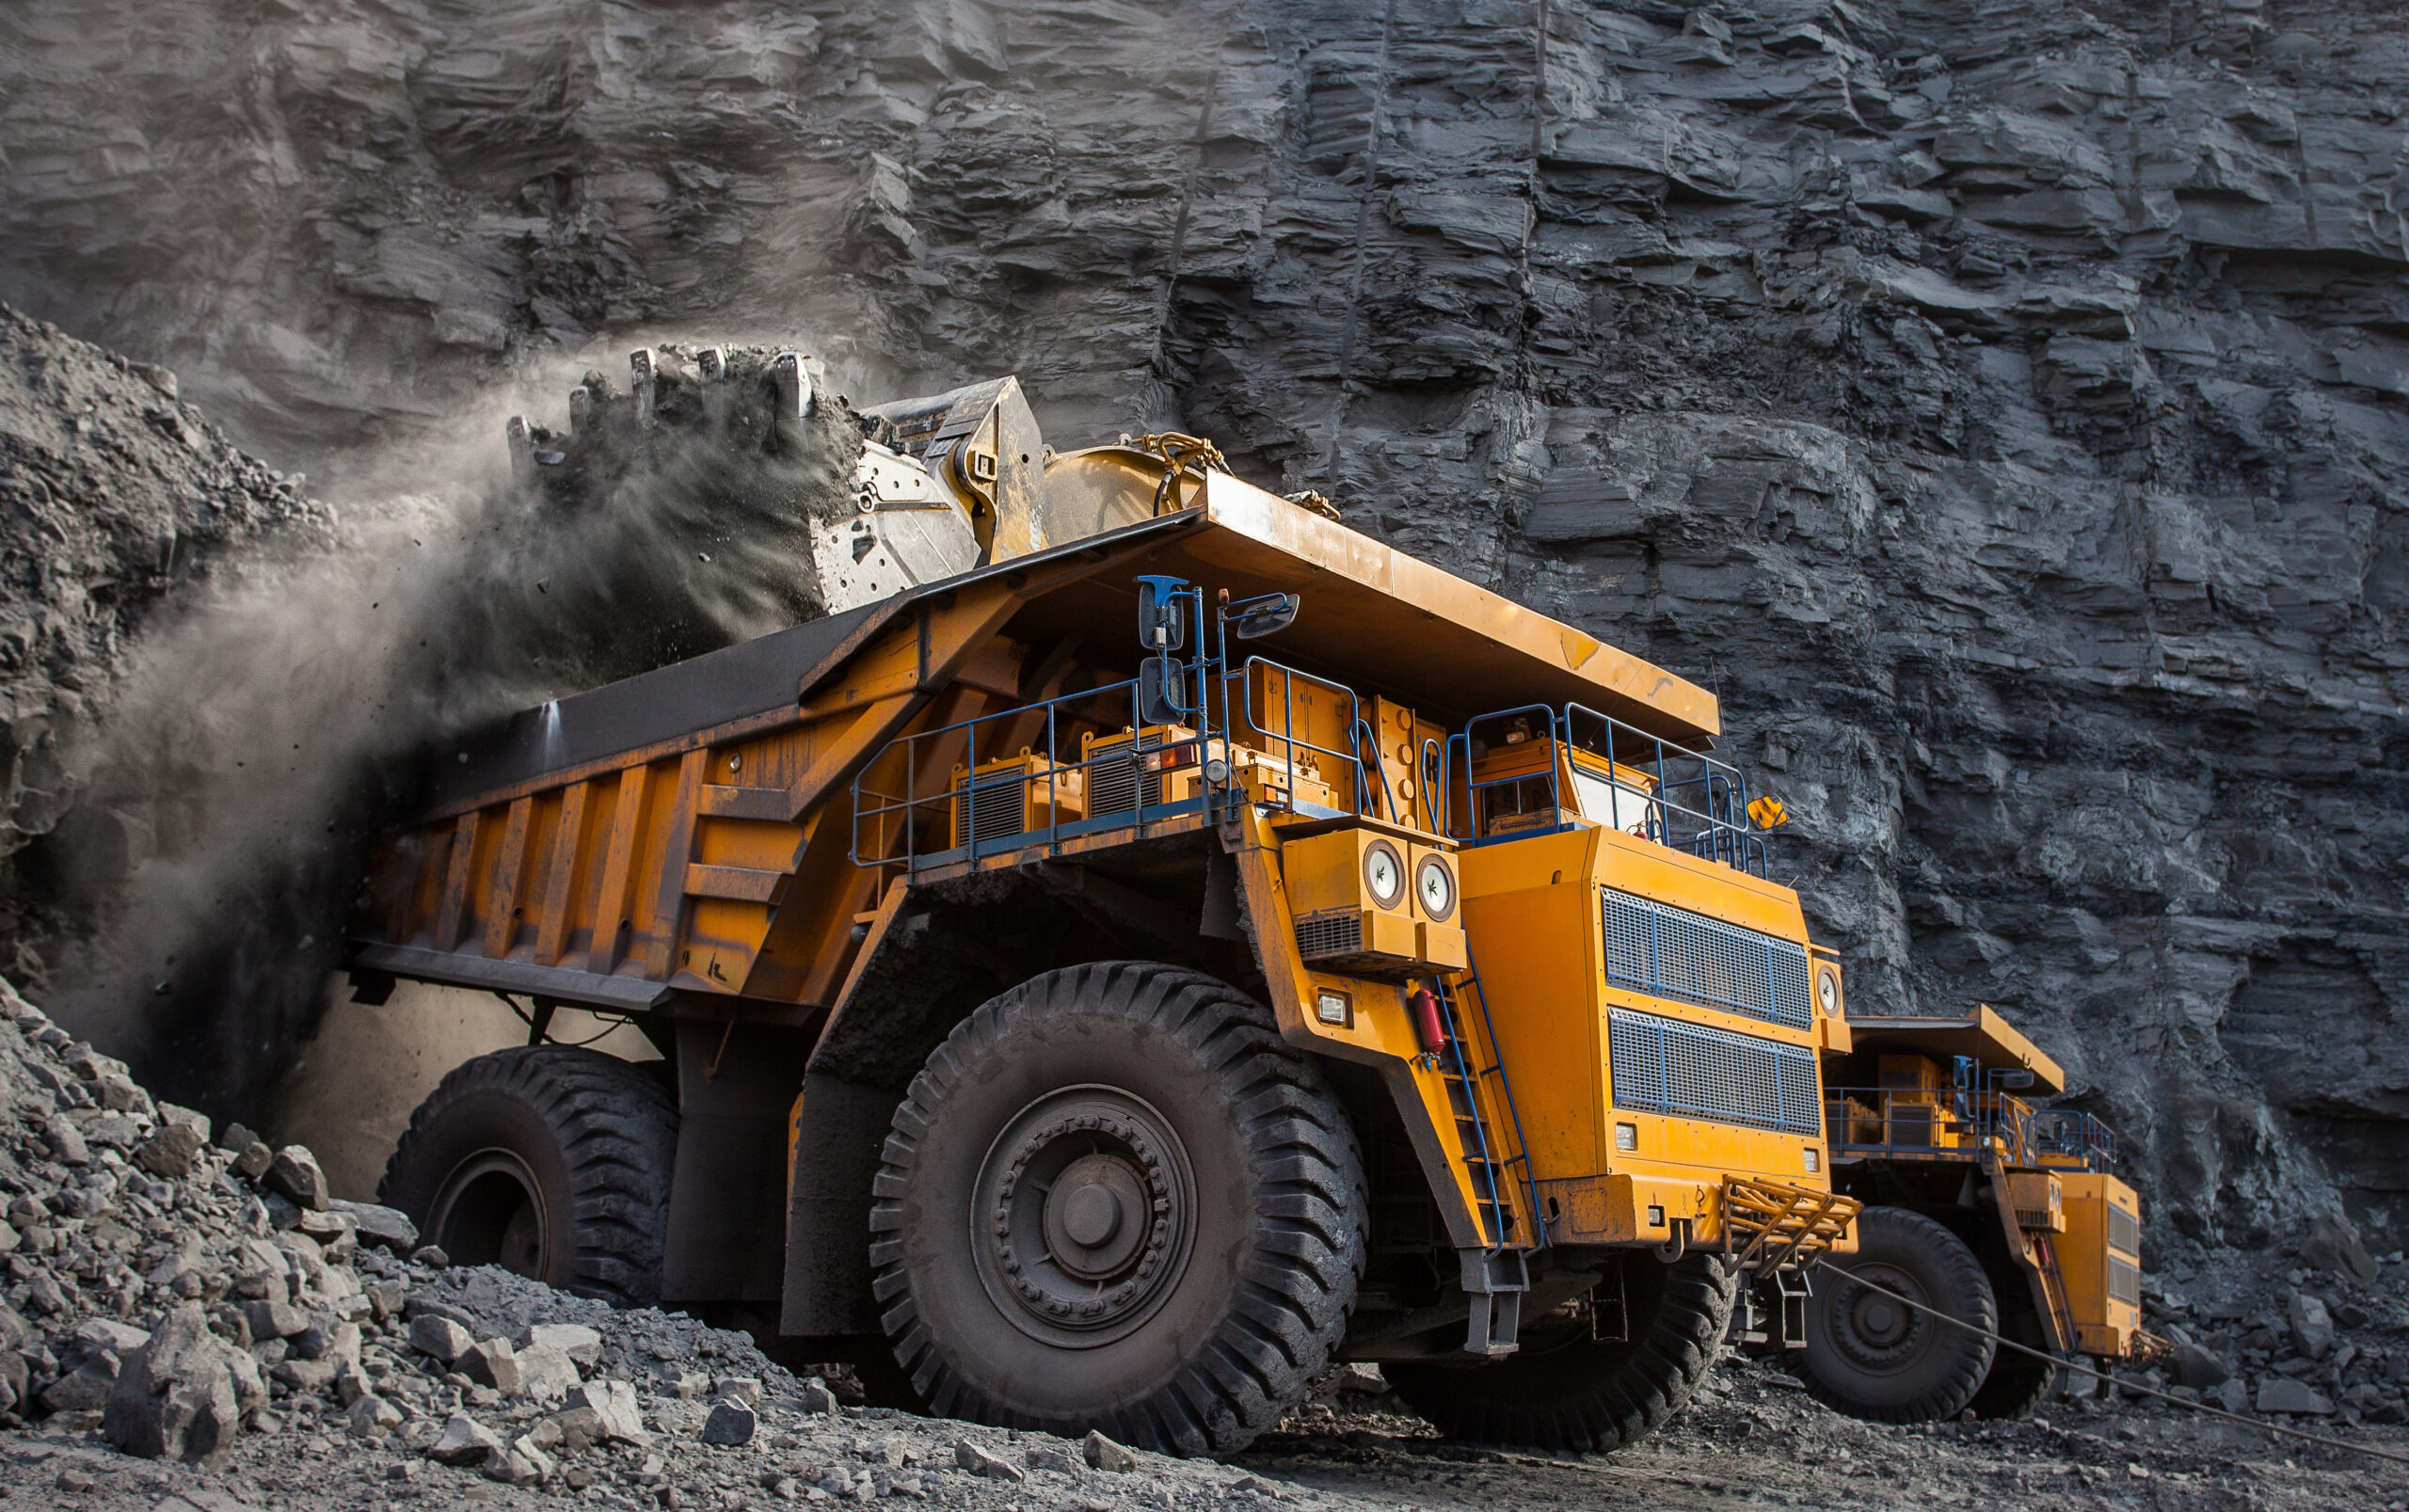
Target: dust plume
x,y
270,726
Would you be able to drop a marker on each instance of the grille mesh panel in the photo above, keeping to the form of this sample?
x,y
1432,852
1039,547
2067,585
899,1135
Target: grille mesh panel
x,y
2124,1281
995,808
1671,952
2124,1232
1336,932
1114,782
1662,1065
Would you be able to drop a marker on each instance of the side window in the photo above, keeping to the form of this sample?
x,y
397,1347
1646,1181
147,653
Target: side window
x,y
1615,805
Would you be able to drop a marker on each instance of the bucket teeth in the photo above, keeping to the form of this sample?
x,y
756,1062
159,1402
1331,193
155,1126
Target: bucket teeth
x,y
523,450
711,363
794,386
639,382
581,410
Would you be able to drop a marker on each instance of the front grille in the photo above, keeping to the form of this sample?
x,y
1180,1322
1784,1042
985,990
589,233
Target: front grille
x,y
2124,1281
1337,931
2124,1232
1662,1065
1671,952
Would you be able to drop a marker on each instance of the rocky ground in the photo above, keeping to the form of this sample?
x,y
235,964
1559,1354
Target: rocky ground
x,y
191,1323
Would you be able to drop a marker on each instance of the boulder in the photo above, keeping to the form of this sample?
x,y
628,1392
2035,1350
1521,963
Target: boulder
x,y
85,1389
981,1461
387,1228
295,1174
614,1404
581,1429
545,1373
185,1394
1103,1454
463,1441
310,1377
2333,1245
522,1464
275,1319
2281,1394
2196,1367
2312,1326
491,1364
731,1423
583,1344
370,1415
745,1388
65,1141
168,1155
253,1161
440,1337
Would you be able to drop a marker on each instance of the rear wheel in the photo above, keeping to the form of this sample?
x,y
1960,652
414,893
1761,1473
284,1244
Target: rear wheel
x,y
1871,1356
1114,1199
547,1161
2017,1383
1576,1392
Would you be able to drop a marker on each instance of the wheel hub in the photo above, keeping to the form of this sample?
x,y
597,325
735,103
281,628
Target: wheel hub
x,y
490,1212
1085,1209
1880,1332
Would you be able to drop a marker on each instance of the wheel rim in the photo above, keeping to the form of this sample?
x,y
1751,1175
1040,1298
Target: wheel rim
x,y
1878,1333
1083,1216
490,1212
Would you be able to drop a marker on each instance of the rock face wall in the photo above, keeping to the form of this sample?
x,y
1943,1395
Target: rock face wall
x,y
2000,401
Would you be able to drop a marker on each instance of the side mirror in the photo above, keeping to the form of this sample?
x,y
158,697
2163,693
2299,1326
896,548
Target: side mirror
x,y
1162,617
1158,702
1268,615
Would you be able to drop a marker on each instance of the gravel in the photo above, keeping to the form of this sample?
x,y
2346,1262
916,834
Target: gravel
x,y
180,1336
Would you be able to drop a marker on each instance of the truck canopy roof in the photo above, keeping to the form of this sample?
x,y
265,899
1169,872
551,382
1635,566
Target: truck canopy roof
x,y
1983,1034
1373,618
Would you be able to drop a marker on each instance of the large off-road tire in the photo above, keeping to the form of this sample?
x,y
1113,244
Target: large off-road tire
x,y
2017,1383
1875,1358
548,1161
1576,1392
1114,1199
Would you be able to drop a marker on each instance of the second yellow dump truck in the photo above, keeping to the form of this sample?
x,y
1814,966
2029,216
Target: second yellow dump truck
x,y
1149,942
1981,1205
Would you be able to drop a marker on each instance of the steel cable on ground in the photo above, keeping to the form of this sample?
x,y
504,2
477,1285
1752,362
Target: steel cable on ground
x,y
2125,1386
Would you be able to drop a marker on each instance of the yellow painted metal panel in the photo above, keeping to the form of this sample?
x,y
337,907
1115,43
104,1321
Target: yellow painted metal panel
x,y
2100,1255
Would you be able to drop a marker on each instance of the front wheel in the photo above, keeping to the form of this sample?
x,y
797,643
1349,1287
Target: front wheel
x,y
1114,1199
1576,1392
1870,1355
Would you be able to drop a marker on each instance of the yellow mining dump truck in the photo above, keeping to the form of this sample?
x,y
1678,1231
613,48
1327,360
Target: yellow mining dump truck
x,y
1979,1204
1082,1016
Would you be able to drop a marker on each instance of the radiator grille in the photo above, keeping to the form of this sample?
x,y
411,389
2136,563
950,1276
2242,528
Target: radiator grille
x,y
2124,1232
1662,1065
1671,952
1337,931
992,809
2124,1281
1115,783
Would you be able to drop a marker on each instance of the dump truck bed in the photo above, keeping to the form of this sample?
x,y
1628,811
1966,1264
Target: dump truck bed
x,y
581,849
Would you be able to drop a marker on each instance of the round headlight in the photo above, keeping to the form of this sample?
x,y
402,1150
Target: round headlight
x,y
1434,887
1828,991
1383,873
